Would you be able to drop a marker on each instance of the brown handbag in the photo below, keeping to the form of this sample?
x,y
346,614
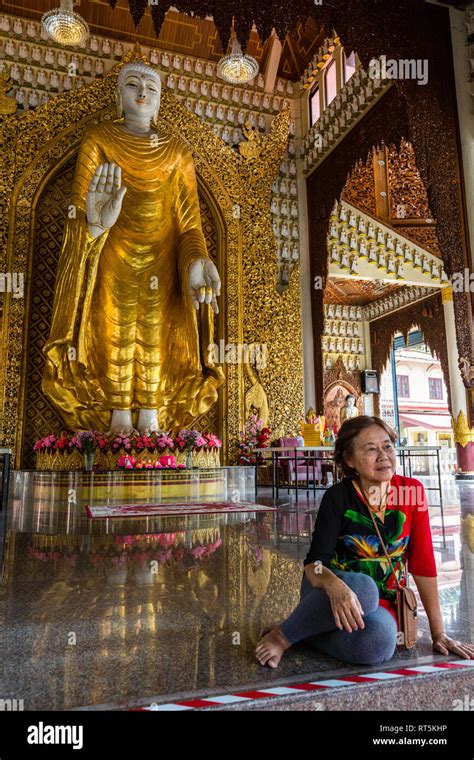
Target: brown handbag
x,y
405,600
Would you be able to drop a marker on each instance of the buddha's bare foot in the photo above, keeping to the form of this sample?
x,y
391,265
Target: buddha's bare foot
x,y
125,430
148,421
121,422
271,647
151,429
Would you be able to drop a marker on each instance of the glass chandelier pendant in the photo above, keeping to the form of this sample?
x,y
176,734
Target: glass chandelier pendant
x,y
236,67
64,26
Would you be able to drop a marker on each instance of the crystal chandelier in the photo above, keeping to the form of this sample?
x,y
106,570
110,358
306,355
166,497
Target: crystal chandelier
x,y
64,26
236,67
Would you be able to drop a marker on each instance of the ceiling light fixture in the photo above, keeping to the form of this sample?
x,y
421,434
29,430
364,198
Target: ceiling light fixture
x,y
64,25
236,67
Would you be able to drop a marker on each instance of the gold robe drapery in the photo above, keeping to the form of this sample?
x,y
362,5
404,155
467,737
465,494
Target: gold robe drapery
x,y
124,333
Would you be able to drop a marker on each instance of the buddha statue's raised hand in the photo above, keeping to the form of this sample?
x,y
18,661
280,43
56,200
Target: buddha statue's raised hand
x,y
204,283
104,198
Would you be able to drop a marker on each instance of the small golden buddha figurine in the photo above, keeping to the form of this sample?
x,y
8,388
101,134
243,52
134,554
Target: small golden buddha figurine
x,y
136,290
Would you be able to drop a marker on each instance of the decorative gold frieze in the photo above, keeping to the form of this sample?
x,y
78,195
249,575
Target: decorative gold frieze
x,y
408,196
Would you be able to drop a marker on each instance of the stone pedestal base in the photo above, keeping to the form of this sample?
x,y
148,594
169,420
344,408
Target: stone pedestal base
x,y
465,461
464,439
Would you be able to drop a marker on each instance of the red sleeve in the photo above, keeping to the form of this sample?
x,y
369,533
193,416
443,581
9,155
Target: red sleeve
x,y
420,554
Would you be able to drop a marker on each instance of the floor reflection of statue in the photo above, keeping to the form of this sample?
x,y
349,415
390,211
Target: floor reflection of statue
x,y
136,289
349,410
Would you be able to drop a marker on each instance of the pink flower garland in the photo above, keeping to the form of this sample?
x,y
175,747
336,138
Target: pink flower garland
x,y
185,439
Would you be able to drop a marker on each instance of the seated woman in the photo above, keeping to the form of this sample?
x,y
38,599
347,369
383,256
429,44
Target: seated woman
x,y
347,602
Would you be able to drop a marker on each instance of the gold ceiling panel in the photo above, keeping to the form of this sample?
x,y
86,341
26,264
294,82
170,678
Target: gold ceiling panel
x,y
356,292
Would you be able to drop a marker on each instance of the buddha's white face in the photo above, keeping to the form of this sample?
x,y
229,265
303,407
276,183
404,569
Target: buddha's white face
x,y
140,96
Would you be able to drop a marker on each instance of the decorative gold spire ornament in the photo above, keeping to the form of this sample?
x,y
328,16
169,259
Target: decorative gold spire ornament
x,y
253,147
462,432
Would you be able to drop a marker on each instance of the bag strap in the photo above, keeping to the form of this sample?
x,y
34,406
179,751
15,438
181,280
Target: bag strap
x,y
399,586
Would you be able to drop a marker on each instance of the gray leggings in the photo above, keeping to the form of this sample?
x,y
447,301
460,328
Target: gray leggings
x,y
312,621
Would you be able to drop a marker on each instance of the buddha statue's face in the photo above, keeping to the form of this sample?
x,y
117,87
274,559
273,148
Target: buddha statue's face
x,y
140,95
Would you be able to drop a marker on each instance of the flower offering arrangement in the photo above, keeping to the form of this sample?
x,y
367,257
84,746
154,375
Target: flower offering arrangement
x,y
156,450
254,436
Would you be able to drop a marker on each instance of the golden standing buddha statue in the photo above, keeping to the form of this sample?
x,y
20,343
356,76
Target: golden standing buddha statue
x,y
136,290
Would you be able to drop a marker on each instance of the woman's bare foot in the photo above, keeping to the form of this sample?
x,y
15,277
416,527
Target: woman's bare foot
x,y
271,647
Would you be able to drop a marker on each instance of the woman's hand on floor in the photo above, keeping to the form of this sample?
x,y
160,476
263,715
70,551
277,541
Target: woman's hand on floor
x,y
345,606
443,644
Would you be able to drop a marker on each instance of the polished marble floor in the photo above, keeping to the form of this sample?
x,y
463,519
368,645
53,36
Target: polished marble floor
x,y
115,613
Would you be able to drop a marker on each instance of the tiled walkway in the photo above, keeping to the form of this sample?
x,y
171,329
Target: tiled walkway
x,y
89,623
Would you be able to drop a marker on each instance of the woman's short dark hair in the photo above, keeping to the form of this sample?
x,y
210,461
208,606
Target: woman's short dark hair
x,y
349,431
